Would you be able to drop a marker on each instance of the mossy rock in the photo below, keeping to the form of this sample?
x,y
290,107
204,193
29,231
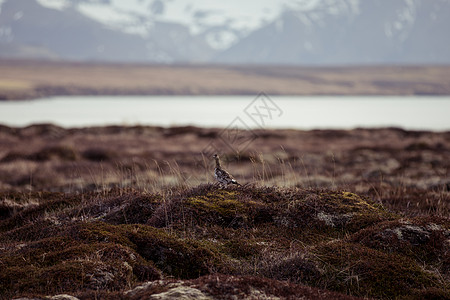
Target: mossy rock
x,y
343,211
250,206
425,239
209,205
31,216
62,264
270,194
361,271
219,207
182,258
236,207
95,232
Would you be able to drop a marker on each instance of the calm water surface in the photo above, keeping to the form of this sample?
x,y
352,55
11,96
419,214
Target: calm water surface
x,y
429,113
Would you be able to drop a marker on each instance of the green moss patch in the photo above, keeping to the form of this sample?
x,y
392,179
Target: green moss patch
x,y
361,271
220,207
208,205
341,211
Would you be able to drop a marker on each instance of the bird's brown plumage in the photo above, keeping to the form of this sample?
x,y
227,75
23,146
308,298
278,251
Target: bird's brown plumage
x,y
222,176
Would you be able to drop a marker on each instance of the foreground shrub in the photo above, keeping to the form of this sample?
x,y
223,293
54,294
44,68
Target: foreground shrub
x,y
361,271
103,244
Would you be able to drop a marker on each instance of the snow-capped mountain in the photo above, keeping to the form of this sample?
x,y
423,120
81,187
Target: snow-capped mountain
x,y
351,32
63,29
314,32
220,23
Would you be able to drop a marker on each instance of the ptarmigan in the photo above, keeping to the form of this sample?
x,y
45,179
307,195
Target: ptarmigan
x,y
223,177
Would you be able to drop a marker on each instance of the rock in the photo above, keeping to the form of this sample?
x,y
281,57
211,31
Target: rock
x,y
182,292
63,297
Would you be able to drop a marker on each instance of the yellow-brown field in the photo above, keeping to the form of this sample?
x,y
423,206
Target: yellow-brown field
x,y
33,79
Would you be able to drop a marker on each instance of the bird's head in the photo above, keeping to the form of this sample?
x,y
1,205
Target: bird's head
x,y
216,157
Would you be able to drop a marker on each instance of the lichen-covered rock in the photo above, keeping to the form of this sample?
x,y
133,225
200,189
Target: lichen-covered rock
x,y
219,286
63,297
335,210
423,239
181,293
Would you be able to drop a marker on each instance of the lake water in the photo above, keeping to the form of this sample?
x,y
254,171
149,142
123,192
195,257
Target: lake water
x,y
422,113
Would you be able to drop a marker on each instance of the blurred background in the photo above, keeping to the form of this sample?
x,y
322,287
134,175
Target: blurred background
x,y
54,48
291,32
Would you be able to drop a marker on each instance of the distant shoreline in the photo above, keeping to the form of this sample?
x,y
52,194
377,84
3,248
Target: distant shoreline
x,y
25,80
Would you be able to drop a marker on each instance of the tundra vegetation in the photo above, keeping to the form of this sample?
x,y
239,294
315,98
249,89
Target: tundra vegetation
x,y
132,213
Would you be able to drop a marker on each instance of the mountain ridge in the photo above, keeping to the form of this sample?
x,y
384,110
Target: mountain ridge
x,y
326,32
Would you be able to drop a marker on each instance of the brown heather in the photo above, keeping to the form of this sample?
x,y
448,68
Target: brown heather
x,y
321,214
